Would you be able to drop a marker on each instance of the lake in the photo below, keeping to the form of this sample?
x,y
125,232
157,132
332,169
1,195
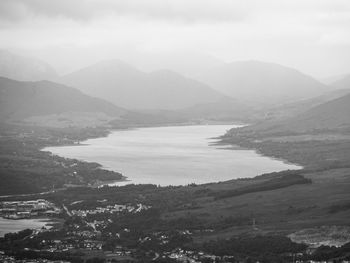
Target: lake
x,y
176,155
10,226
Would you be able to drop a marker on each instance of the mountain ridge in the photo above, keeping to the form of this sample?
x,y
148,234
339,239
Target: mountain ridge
x,y
21,100
24,68
263,83
330,116
135,89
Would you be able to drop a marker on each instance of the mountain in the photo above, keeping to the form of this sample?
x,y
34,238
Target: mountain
x,y
263,84
333,114
342,83
131,88
43,101
187,63
331,79
300,106
330,116
341,87
226,109
24,69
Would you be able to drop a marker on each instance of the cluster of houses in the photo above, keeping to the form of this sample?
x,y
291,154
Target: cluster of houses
x,y
185,256
65,245
188,256
27,209
111,209
10,259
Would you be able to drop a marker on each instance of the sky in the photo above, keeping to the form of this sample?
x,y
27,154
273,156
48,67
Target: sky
x,y
312,36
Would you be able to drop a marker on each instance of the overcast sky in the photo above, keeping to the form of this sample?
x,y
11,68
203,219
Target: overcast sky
x,y
310,35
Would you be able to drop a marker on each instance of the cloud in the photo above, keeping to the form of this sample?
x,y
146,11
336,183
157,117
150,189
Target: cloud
x,y
84,10
186,11
282,31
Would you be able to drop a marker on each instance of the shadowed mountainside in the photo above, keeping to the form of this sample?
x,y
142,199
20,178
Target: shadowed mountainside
x,y
22,100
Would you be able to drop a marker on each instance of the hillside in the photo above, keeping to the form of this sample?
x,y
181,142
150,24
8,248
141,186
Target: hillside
x,y
227,109
25,69
130,88
22,101
329,116
300,106
263,84
342,83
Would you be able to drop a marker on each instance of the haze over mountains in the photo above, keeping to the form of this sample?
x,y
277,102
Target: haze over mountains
x,y
263,83
342,83
131,88
24,68
188,64
333,114
297,107
248,86
329,117
25,100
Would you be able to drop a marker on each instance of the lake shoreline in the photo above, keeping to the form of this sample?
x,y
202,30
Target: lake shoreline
x,y
16,225
106,131
126,178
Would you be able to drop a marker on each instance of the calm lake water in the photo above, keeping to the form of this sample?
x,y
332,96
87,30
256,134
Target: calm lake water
x,y
9,226
176,155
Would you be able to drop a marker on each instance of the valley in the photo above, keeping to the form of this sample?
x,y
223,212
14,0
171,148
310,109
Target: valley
x,y
196,217
173,131
278,212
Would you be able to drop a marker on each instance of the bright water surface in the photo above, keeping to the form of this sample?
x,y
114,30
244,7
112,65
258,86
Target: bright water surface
x,y
10,225
176,155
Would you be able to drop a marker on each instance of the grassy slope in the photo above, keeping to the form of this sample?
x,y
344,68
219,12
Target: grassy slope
x,y
325,155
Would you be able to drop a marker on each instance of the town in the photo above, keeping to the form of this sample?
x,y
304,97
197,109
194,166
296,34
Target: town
x,y
28,209
105,231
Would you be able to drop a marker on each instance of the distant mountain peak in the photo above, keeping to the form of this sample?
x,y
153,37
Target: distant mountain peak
x,y
21,100
24,68
263,83
112,63
131,88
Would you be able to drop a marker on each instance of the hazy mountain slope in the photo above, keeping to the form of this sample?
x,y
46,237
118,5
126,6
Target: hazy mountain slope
x,y
226,109
128,87
298,107
330,116
173,91
188,64
23,68
331,79
20,100
342,83
263,83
